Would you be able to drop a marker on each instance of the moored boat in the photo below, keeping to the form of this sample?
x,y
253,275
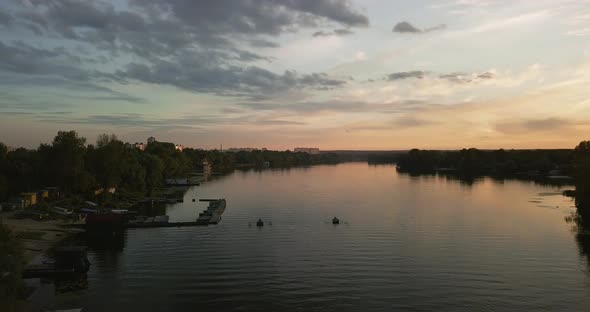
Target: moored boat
x,y
62,211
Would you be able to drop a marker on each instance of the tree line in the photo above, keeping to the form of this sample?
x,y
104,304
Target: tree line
x,y
76,167
574,163
472,162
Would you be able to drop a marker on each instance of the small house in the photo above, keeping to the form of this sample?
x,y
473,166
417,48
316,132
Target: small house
x,y
43,195
53,192
14,203
30,198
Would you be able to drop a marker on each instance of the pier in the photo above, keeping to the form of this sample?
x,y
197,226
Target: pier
x,y
115,221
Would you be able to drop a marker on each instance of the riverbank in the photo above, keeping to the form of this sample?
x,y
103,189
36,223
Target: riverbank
x,y
37,237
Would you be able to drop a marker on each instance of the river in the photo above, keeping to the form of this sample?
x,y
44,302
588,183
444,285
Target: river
x,y
405,244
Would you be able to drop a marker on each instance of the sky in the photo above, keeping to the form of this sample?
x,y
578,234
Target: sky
x,y
358,74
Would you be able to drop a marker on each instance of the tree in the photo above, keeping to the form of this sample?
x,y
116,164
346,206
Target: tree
x,y
3,152
106,161
105,139
3,168
11,265
66,160
153,171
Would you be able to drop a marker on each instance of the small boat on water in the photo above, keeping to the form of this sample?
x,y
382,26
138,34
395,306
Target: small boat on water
x,y
259,223
88,210
335,221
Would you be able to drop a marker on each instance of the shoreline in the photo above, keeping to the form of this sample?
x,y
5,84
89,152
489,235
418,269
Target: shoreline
x,y
37,237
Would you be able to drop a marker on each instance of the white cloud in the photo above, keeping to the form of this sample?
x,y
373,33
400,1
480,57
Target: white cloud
x,y
502,23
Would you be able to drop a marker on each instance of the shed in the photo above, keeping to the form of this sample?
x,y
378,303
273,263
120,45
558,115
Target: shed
x,y
30,198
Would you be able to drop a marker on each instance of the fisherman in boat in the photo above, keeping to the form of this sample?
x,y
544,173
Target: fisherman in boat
x,y
259,222
335,221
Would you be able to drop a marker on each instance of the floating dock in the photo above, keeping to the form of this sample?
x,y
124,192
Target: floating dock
x,y
157,225
115,222
212,215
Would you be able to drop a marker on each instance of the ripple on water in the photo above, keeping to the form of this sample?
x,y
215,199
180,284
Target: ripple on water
x,y
406,245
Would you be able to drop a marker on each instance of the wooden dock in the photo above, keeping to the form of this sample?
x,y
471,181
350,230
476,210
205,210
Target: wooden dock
x,y
158,224
143,225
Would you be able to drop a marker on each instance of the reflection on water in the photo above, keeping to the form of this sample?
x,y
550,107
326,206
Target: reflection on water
x,y
407,243
581,218
70,284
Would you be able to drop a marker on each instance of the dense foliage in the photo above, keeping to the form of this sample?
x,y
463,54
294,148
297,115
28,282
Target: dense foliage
x,y
78,168
11,264
487,162
282,159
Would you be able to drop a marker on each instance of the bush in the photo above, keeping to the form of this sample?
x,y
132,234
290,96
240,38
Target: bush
x,y
11,265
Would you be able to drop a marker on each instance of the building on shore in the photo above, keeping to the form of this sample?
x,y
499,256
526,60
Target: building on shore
x,y
100,190
308,150
244,149
151,140
29,198
53,192
179,147
14,203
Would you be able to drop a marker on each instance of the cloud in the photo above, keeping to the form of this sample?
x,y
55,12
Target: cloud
x,y
406,75
310,107
459,77
17,113
205,73
22,58
336,32
407,28
264,16
155,122
164,26
339,105
193,45
535,125
262,43
509,22
5,19
343,32
400,123
411,121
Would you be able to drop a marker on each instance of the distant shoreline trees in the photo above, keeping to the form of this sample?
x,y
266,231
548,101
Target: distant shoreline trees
x,y
79,168
474,162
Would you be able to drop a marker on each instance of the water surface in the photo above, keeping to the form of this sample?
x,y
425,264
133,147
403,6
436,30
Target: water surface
x,y
405,244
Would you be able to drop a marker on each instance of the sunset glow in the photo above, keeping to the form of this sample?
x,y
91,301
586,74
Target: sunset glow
x,y
340,75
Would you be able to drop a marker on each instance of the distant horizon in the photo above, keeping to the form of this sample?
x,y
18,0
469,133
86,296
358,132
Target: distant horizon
x,y
348,74
90,141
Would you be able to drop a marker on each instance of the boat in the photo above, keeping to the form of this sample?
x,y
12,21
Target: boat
x,y
62,211
259,223
335,221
